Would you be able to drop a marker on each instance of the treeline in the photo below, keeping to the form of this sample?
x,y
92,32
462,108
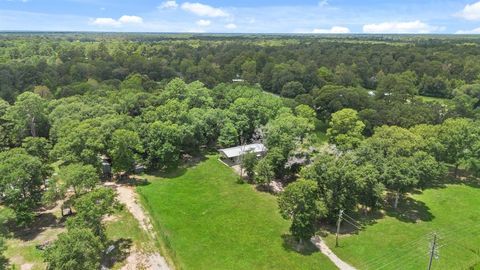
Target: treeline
x,y
290,66
365,173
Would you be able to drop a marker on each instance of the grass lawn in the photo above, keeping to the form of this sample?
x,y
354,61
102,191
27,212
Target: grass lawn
x,y
209,221
22,251
125,231
125,226
443,101
401,241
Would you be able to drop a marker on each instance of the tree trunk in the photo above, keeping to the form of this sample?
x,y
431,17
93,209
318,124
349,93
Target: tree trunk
x,y
397,196
33,129
456,170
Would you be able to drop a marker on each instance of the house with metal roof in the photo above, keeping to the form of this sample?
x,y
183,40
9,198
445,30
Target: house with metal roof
x,y
234,153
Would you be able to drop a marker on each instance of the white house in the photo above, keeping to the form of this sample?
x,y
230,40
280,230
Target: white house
x,y
234,153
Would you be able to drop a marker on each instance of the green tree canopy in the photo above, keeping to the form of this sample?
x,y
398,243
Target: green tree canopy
x,y
124,148
299,203
346,129
228,135
90,209
77,249
249,161
81,178
21,177
264,172
28,116
292,89
459,138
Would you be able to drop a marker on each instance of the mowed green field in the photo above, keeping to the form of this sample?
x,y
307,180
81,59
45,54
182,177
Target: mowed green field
x,y
209,221
443,101
403,242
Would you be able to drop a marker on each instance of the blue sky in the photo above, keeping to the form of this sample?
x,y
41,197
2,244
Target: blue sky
x,y
249,16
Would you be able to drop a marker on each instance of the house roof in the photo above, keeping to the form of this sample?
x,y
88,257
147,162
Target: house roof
x,y
243,149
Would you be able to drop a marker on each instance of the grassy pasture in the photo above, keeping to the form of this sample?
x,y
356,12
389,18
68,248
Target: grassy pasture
x,y
210,221
401,240
443,101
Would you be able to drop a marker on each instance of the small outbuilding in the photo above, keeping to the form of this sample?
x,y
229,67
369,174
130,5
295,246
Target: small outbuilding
x,y
106,167
234,154
238,79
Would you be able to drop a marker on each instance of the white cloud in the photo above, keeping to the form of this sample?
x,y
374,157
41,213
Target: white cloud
x,y
231,26
168,5
204,23
110,22
333,30
470,12
106,22
203,10
399,27
323,3
130,19
473,31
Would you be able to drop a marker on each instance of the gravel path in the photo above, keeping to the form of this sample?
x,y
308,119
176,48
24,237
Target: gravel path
x,y
137,260
317,241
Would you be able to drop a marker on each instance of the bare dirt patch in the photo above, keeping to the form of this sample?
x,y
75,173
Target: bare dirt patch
x,y
26,266
138,259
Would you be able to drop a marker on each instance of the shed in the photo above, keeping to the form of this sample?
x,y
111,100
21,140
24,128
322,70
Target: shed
x,y
234,153
238,79
106,166
139,169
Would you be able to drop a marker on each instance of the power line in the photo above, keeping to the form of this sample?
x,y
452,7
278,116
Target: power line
x,y
415,245
407,249
409,245
434,250
410,249
358,228
388,260
352,219
399,260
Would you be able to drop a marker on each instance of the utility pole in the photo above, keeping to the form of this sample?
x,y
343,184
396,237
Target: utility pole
x,y
339,221
433,251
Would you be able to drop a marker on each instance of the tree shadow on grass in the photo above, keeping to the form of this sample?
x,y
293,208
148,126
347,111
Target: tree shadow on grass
x,y
290,244
180,170
410,210
353,224
466,179
119,253
168,173
463,178
41,223
135,181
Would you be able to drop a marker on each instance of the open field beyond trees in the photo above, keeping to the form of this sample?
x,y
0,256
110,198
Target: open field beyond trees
x,y
211,221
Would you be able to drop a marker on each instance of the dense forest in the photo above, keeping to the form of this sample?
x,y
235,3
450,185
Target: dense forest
x,y
396,110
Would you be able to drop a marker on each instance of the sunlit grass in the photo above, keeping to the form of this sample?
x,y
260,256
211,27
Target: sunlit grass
x,y
210,221
401,239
